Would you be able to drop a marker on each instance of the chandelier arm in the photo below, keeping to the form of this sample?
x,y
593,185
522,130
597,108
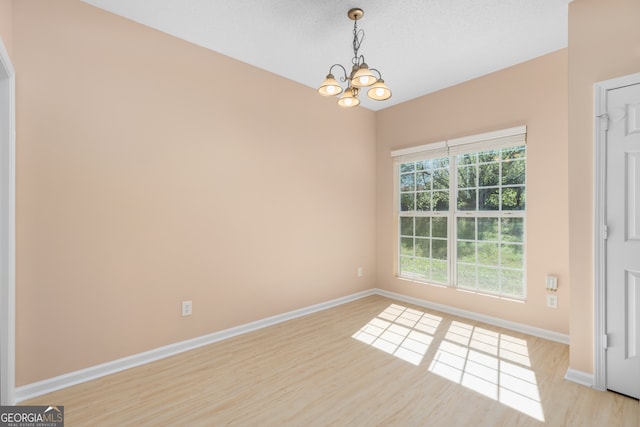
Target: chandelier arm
x,y
376,70
344,71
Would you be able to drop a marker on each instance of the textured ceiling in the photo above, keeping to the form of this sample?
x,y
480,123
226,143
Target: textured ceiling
x,y
420,46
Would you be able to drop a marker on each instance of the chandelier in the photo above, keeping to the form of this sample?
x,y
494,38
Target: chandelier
x,y
361,75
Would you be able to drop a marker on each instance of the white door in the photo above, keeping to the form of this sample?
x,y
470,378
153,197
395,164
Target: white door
x,y
623,241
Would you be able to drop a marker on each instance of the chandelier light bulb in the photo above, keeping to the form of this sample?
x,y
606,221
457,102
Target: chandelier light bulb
x,y
330,86
349,99
379,91
363,77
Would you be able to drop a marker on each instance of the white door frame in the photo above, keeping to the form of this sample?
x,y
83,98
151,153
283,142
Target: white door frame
x,y
7,229
599,256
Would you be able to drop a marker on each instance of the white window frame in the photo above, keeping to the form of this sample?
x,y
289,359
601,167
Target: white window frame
x,y
505,138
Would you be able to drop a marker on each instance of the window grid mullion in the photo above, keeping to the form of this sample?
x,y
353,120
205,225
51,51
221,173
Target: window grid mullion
x,y
453,228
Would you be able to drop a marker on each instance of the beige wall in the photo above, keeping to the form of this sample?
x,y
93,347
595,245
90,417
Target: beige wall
x,y
140,183
6,24
534,94
604,42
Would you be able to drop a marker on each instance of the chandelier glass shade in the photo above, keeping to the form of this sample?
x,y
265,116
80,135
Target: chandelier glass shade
x,y
360,77
330,86
349,99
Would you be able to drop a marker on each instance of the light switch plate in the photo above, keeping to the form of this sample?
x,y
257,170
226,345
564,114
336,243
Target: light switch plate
x,y
187,308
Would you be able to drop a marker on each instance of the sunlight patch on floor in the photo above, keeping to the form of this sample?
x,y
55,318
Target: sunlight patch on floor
x,y
403,332
493,364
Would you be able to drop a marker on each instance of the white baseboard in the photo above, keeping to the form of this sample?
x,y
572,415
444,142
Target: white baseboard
x,y
495,321
39,388
579,377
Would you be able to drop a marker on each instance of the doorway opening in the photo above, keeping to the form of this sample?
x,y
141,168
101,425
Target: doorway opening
x,y
7,228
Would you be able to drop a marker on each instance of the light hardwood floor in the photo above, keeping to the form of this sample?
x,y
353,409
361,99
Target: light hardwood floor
x,y
372,362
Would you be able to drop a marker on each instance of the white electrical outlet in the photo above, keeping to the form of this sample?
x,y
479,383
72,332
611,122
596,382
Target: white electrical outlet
x,y
552,301
187,308
359,271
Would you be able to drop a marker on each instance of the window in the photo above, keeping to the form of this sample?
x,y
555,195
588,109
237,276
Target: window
x,y
424,220
461,213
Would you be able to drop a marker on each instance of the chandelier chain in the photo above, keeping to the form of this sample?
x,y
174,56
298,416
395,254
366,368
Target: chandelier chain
x,y
358,38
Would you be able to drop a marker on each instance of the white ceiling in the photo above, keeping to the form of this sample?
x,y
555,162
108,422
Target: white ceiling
x,y
419,46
